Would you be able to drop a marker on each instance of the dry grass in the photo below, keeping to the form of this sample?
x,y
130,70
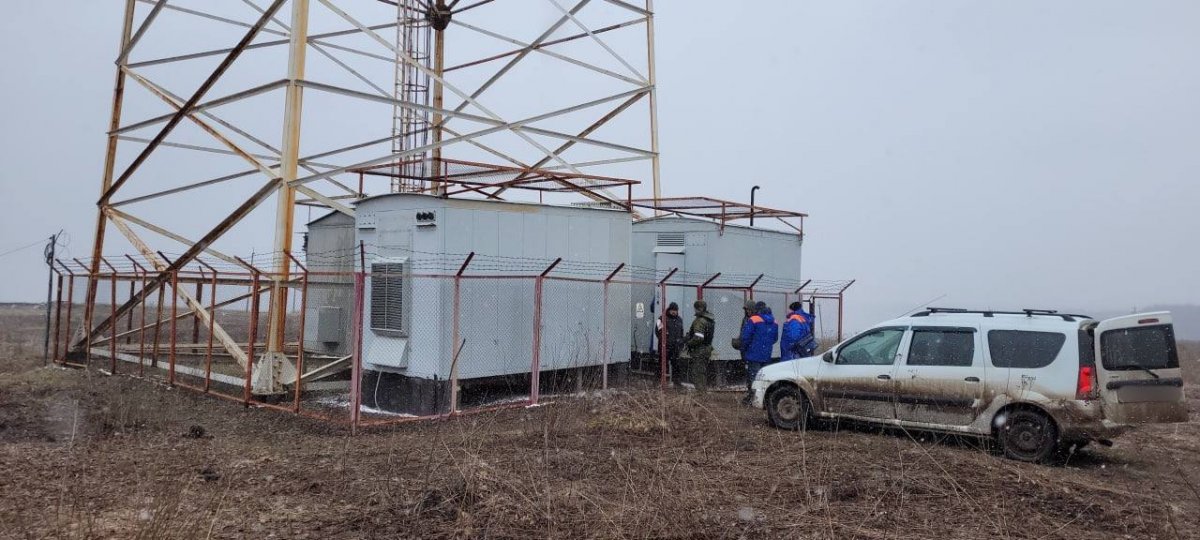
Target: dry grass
x,y
88,456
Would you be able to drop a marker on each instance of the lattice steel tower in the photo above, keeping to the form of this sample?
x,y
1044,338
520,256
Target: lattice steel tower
x,y
218,107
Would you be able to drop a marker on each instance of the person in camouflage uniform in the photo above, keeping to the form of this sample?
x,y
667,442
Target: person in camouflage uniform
x,y
699,344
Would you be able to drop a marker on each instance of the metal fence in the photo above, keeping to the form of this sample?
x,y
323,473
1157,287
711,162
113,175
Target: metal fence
x,y
383,345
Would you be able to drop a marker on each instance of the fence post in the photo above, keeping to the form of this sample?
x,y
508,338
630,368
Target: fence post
x,y
196,317
607,348
841,298
536,364
70,303
139,271
142,328
212,321
753,284
300,337
112,316
700,289
840,312
455,332
662,331
799,295
173,327
356,362
662,336
254,302
57,309
129,319
89,306
162,297
535,368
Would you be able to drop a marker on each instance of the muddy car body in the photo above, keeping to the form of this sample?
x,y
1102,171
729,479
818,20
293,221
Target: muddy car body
x,y
1037,381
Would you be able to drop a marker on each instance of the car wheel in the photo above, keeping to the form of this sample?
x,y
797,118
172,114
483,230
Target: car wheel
x,y
1028,435
787,408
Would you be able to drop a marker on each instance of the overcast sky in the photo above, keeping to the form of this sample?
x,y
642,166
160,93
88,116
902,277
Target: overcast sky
x,y
1005,154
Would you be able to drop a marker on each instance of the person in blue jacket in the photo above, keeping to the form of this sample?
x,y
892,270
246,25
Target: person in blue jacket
x,y
797,340
758,342
811,347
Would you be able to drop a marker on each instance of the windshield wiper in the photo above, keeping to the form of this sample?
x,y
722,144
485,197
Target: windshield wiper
x,y
1146,369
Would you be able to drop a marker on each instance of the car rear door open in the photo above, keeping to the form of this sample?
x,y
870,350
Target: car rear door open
x,y
1138,370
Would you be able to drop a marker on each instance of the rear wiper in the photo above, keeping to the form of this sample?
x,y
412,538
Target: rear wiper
x,y
1147,370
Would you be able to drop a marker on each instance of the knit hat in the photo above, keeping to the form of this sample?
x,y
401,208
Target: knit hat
x,y
700,305
673,307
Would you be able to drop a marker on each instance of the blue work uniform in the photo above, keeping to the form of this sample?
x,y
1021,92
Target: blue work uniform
x,y
758,341
797,339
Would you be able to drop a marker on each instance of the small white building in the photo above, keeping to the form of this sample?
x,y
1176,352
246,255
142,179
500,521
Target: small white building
x,y
701,248
412,241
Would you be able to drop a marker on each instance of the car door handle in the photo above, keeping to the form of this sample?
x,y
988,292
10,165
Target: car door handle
x,y
972,379
884,377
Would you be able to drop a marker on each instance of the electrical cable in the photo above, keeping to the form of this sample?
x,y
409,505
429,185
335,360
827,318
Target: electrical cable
x,y
22,248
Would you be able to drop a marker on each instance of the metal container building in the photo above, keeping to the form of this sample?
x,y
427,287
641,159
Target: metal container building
x,y
408,344
701,248
329,252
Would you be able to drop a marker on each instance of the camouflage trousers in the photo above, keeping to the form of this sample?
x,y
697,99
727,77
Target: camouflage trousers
x,y
698,362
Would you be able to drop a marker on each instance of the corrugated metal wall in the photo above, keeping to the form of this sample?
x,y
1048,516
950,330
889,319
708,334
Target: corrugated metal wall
x,y
330,306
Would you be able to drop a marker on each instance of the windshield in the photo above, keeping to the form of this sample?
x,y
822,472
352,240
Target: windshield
x,y
1147,347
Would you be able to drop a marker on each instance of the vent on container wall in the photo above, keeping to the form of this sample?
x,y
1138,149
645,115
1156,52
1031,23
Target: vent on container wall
x,y
387,297
670,240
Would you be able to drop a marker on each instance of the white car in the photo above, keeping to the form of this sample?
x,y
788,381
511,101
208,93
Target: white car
x,y
1030,379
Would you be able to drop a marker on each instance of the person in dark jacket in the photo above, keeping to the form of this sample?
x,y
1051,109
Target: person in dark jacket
x,y
675,342
797,339
758,342
699,344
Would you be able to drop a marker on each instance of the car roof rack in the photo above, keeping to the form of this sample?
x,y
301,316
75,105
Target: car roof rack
x,y
1069,317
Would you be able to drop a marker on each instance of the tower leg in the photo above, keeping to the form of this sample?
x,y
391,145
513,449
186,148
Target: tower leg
x,y
274,367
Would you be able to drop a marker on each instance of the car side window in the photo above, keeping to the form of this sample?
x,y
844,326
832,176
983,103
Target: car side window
x,y
875,348
1023,348
942,347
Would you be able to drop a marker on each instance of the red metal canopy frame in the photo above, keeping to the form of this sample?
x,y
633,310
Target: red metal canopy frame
x,y
456,177
721,211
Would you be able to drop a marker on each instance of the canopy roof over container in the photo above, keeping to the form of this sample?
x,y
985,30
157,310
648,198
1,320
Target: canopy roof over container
x,y
721,211
453,178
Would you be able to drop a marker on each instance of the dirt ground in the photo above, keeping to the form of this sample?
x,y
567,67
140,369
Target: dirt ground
x,y
83,455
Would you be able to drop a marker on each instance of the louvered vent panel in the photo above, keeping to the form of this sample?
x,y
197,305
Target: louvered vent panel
x,y
387,297
670,240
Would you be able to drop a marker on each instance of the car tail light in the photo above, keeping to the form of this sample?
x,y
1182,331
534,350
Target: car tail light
x,y
1086,388
1147,321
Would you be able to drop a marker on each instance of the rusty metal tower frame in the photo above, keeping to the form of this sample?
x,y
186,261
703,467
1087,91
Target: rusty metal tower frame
x,y
413,40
